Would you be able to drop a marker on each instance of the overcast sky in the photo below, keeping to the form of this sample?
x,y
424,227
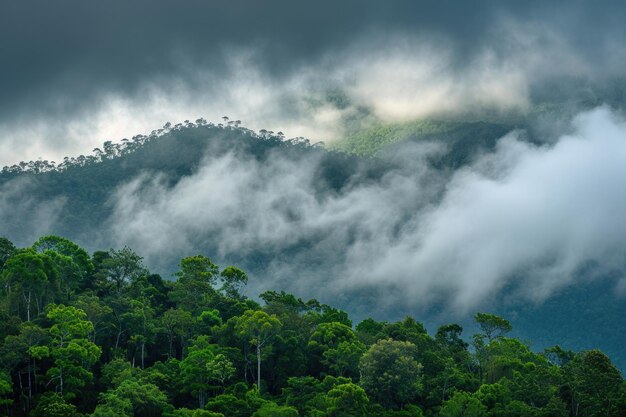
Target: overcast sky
x,y
74,74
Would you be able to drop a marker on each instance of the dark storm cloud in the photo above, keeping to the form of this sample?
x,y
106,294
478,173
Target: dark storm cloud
x,y
72,70
76,48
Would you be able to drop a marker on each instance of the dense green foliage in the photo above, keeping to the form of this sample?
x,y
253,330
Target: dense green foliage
x,y
100,335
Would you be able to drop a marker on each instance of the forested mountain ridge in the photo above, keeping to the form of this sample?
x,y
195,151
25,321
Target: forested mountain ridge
x,y
102,335
85,185
86,199
176,151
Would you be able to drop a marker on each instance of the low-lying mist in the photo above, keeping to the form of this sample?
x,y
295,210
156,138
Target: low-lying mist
x,y
526,218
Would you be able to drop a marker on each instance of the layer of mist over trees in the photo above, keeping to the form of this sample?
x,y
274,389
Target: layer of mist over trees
x,y
87,182
101,335
73,199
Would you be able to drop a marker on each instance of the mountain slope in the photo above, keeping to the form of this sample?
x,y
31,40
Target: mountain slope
x,y
294,215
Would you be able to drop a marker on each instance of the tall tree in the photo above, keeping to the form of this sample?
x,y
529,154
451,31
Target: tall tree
x,y
175,323
492,326
7,249
122,266
390,374
139,320
335,346
463,404
203,366
16,355
28,273
258,328
71,261
196,280
233,280
595,386
71,351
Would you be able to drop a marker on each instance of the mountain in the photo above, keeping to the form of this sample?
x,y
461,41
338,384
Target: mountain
x,y
291,213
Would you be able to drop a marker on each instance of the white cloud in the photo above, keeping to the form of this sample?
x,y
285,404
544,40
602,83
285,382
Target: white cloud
x,y
525,218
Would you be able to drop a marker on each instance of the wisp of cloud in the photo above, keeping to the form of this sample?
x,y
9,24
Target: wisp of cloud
x,y
524,217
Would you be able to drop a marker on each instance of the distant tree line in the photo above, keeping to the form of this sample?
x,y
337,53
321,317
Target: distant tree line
x,y
111,150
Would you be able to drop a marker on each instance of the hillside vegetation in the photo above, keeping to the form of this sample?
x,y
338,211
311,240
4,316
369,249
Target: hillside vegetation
x,y
461,138
101,335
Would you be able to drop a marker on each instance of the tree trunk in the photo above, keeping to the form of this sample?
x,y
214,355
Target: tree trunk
x,y
38,303
258,366
117,340
201,399
28,305
143,350
30,384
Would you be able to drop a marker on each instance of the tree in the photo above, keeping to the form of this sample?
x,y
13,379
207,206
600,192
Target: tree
x,y
133,397
233,280
7,249
331,396
390,374
335,346
53,405
556,407
463,404
448,379
16,354
344,359
220,369
505,356
28,273
122,266
71,260
207,320
495,397
6,390
492,325
449,336
258,328
370,331
176,323
347,400
73,354
98,313
140,322
113,406
116,371
559,356
121,306
202,366
229,405
595,385
196,279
